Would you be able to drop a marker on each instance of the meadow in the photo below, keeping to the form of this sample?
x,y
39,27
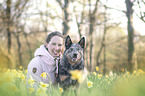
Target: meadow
x,y
13,83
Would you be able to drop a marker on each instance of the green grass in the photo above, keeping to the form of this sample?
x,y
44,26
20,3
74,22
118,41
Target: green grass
x,y
13,83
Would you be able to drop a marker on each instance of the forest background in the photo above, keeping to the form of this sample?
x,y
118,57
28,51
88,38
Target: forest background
x,y
114,31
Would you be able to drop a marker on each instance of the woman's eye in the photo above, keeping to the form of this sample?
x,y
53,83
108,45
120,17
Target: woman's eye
x,y
53,43
59,44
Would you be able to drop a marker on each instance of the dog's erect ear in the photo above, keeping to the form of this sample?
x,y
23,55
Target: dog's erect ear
x,y
82,42
68,42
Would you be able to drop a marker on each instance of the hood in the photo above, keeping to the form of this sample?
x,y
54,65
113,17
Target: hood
x,y
42,52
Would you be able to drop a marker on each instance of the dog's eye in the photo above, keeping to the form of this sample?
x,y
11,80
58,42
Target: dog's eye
x,y
78,49
71,49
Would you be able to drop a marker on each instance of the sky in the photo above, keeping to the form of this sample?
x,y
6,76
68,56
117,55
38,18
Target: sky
x,y
138,25
116,15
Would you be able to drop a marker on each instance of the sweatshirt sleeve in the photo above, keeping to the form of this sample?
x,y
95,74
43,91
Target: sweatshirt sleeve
x,y
34,71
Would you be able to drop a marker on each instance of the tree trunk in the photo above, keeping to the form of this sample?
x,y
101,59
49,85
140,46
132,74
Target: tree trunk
x,y
19,50
8,14
28,44
66,17
92,20
130,28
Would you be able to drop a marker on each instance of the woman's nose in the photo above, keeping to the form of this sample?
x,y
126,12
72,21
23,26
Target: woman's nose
x,y
56,47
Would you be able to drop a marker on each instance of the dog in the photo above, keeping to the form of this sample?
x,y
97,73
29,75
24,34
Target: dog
x,y
72,60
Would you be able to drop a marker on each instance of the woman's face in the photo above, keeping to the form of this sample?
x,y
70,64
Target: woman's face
x,y
55,46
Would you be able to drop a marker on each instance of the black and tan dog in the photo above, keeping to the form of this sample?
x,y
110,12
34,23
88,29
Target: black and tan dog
x,y
72,60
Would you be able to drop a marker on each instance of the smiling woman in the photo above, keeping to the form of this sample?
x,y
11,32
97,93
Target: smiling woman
x,y
46,60
55,46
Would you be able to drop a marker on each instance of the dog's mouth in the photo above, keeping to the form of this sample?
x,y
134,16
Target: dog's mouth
x,y
74,59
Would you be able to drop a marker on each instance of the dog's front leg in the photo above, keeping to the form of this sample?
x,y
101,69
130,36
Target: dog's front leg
x,y
76,91
63,77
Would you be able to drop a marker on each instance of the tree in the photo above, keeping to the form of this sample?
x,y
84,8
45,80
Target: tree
x,y
66,18
92,22
141,14
11,13
129,14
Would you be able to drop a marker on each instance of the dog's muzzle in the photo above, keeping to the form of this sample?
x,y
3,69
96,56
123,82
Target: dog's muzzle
x,y
75,55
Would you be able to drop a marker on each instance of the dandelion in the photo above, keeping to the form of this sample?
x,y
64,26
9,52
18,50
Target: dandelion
x,y
94,73
60,90
97,68
90,84
43,75
76,75
31,90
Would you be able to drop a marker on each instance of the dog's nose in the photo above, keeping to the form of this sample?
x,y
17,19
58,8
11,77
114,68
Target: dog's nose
x,y
75,55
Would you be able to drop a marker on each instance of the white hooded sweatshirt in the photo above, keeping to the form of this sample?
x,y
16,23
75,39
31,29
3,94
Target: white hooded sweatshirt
x,y
43,62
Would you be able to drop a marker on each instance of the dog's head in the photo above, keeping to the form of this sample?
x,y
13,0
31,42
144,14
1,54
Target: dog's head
x,y
74,51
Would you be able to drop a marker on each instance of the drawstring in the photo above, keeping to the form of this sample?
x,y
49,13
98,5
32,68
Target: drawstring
x,y
57,62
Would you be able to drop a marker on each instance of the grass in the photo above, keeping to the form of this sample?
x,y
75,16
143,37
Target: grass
x,y
13,83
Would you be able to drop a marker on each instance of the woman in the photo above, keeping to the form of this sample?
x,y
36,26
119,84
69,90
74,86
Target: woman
x,y
46,60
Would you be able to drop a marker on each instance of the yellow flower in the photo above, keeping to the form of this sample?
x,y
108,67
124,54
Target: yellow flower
x,y
22,76
90,84
39,91
97,68
76,75
31,90
31,81
43,85
134,72
94,73
99,75
60,90
128,73
43,75
107,76
26,71
20,67
140,71
108,82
